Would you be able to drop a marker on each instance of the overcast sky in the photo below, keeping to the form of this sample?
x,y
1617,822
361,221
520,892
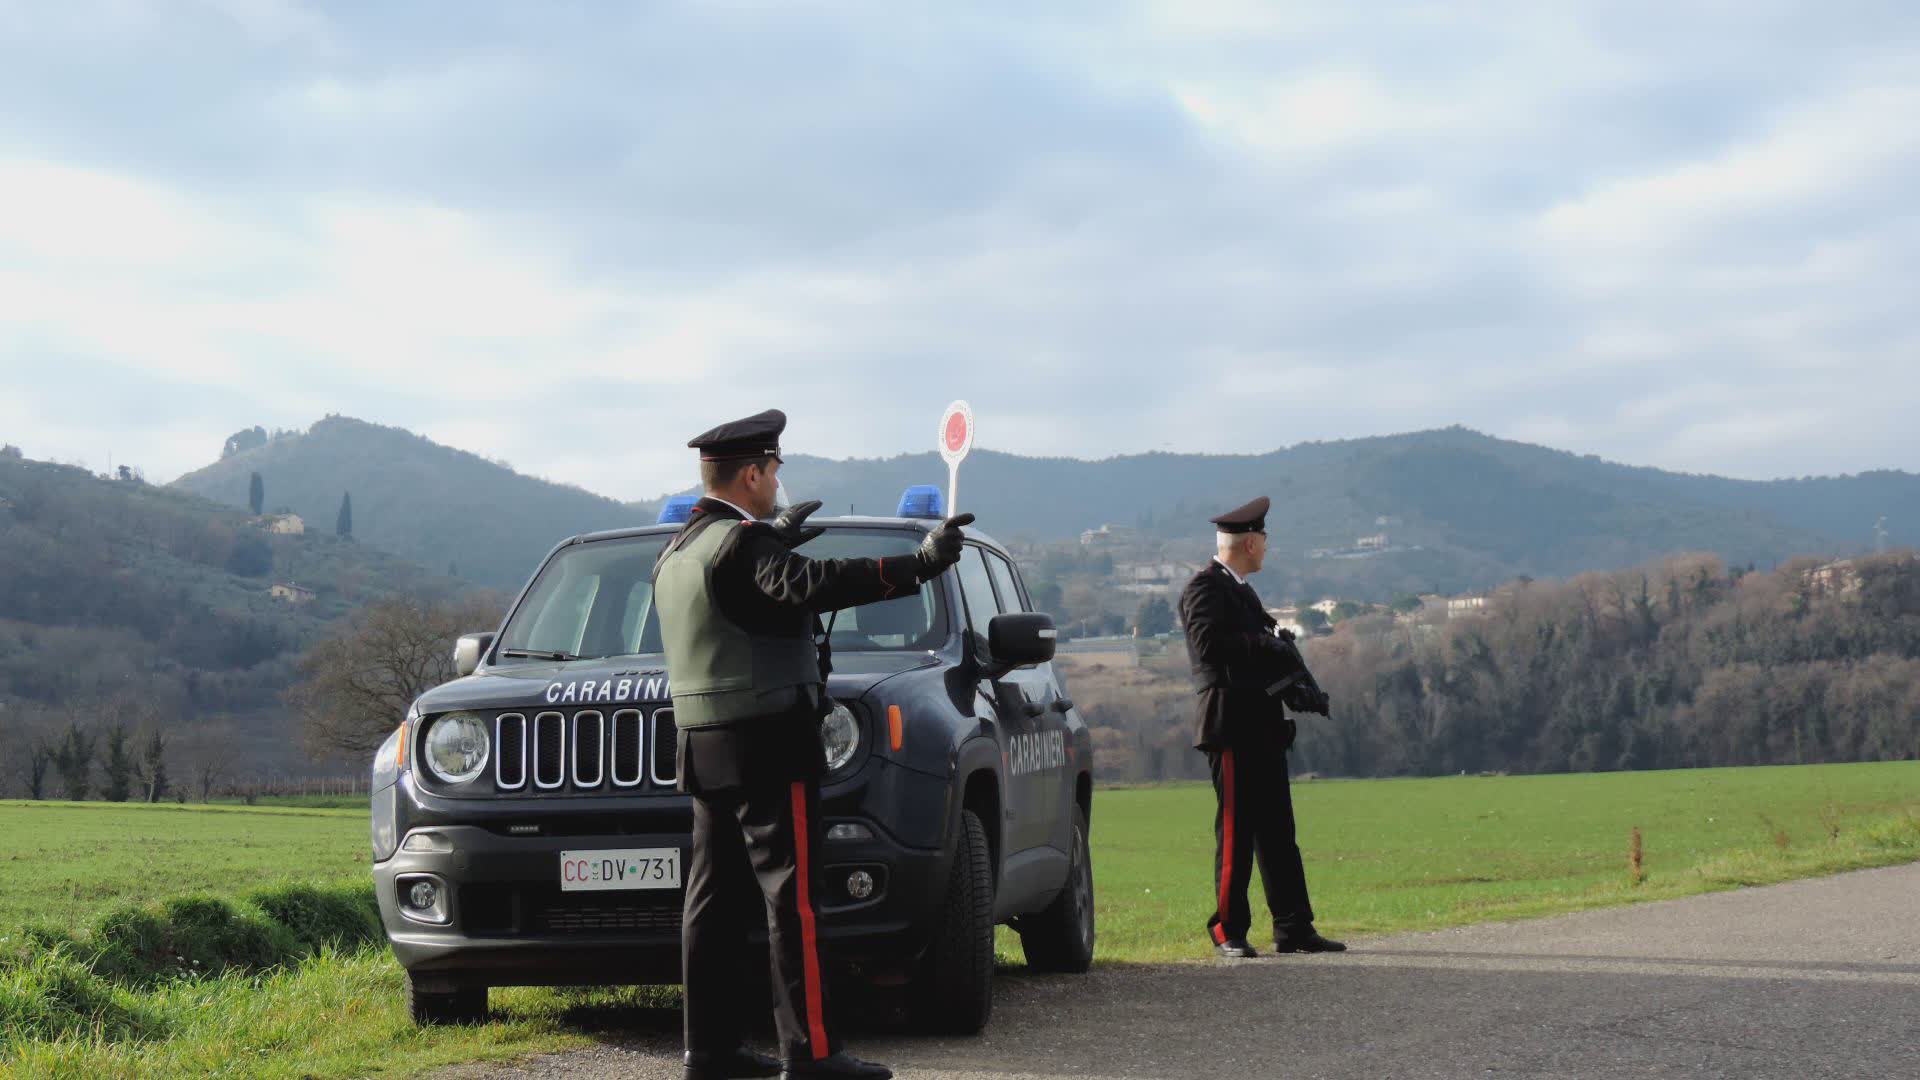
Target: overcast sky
x,y
573,236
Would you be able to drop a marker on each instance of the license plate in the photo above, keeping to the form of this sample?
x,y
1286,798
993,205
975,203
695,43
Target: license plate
x,y
629,868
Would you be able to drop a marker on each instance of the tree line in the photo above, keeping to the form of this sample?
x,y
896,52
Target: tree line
x,y
1676,664
1679,664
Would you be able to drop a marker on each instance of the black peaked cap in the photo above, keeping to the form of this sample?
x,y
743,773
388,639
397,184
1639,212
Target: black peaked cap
x,y
755,436
1245,519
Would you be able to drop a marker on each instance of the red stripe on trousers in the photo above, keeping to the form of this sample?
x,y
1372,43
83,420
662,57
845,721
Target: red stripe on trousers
x,y
1226,834
809,944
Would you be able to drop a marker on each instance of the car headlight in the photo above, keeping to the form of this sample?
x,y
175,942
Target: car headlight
x,y
840,735
457,747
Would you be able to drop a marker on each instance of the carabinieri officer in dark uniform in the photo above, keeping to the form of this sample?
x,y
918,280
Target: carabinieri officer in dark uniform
x,y
737,611
1238,661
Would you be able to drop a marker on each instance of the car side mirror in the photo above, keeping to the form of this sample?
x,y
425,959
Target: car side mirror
x,y
1021,639
468,651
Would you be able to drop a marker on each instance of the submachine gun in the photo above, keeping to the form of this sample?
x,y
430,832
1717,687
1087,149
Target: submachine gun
x,y
1290,679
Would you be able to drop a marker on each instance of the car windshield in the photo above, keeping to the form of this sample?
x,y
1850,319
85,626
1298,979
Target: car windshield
x,y
596,600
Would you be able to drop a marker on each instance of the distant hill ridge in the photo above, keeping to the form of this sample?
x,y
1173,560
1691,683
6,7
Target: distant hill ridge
x,y
1460,509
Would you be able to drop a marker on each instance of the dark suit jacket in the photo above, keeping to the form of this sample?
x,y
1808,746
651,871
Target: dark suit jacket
x,y
1234,657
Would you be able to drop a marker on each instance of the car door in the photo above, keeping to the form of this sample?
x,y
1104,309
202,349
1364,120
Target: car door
x,y
1017,721
1044,757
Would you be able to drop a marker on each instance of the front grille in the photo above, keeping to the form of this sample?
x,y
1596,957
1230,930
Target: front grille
x,y
589,737
666,764
510,751
584,752
627,761
501,910
589,916
549,750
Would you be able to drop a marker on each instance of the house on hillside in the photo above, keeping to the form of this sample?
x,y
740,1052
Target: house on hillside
x,y
1839,578
1288,618
1376,542
1105,536
1325,607
286,524
1466,605
291,593
1155,577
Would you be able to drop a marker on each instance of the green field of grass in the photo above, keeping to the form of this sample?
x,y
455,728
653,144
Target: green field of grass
x,y
1381,856
63,863
1385,855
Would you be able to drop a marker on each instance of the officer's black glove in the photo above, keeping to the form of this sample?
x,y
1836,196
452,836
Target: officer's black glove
x,y
1284,634
941,548
1321,704
1289,731
791,526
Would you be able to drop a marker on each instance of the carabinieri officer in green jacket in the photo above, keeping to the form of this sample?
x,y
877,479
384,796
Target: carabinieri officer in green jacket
x,y
737,609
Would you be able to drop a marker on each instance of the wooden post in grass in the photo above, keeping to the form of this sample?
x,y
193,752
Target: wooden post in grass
x,y
1634,872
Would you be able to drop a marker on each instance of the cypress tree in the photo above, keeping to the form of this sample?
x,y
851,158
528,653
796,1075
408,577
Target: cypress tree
x,y
343,525
256,494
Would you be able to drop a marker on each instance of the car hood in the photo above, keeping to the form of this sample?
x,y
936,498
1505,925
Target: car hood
x,y
627,680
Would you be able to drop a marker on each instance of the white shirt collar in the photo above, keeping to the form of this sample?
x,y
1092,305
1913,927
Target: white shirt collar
x,y
1230,571
735,509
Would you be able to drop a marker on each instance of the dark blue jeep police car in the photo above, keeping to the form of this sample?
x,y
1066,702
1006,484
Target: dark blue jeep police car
x,y
526,829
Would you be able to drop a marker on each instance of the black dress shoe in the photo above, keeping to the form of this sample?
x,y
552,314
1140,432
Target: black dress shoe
x,y
742,1062
1236,948
840,1064
1311,941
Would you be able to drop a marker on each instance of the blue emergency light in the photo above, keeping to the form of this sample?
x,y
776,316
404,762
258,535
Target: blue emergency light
x,y
922,501
677,509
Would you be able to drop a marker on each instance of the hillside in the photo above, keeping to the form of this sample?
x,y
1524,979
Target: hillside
x,y
1460,510
152,605
443,508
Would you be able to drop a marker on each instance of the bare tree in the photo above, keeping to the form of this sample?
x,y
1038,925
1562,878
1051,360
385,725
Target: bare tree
x,y
359,683
208,771
152,768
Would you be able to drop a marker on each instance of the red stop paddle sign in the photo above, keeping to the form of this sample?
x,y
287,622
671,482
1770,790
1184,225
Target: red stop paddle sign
x,y
956,432
956,438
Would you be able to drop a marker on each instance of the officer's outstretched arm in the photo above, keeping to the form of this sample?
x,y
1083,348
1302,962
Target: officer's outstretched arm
x,y
792,580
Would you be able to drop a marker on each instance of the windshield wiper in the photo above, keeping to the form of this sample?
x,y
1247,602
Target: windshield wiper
x,y
539,654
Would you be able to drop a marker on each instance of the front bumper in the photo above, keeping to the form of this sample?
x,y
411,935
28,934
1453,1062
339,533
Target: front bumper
x,y
508,923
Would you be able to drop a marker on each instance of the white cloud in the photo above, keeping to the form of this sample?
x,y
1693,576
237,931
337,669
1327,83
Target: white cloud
x,y
1671,237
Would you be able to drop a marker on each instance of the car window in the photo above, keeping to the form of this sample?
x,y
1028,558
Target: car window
x,y
590,599
977,586
914,621
1003,582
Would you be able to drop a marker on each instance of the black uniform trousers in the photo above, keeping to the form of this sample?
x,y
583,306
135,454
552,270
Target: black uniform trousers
x,y
1254,819
756,843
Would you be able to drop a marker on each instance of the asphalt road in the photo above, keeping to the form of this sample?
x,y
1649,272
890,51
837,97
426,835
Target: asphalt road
x,y
1811,979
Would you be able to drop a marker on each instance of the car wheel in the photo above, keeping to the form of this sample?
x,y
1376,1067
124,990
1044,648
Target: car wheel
x,y
433,1008
953,991
1060,938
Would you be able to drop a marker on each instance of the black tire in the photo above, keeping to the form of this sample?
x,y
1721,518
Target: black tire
x,y
436,1008
1060,938
953,991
